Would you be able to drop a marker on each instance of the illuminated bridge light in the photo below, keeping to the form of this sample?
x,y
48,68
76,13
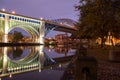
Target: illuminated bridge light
x,y
41,18
9,69
3,9
11,17
21,19
17,68
13,12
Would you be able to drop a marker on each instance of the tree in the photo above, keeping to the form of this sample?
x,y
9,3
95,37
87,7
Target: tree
x,y
17,52
97,18
17,36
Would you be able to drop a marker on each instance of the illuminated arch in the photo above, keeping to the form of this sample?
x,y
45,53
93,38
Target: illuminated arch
x,y
32,31
27,59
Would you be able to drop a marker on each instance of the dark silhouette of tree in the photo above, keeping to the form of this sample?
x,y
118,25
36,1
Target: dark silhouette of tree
x,y
17,53
97,18
17,36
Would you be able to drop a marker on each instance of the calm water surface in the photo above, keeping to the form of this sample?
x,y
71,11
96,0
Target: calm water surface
x,y
57,63
34,62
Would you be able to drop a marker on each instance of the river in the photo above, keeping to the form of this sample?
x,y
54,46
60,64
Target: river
x,y
58,63
34,62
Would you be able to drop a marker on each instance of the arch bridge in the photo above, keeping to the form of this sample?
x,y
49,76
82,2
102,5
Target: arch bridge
x,y
37,28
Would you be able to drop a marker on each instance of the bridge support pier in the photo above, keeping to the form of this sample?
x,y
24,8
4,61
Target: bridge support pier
x,y
42,33
6,26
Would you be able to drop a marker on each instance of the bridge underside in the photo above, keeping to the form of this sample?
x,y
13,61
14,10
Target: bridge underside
x,y
50,27
65,30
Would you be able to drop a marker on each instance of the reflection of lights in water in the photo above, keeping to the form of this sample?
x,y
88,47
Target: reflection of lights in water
x,y
17,68
37,48
60,65
4,59
41,50
39,67
50,46
49,50
10,75
21,47
39,70
14,48
13,70
50,67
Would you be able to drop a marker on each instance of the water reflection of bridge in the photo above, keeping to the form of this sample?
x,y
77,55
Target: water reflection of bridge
x,y
15,60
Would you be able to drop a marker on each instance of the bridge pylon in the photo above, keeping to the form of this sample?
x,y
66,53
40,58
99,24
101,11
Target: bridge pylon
x,y
42,33
6,27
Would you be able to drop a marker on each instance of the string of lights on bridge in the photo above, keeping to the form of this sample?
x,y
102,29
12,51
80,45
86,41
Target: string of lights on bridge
x,y
3,9
17,18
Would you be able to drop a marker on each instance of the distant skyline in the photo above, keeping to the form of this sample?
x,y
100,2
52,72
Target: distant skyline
x,y
47,9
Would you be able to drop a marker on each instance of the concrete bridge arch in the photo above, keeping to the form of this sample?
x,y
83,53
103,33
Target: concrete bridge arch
x,y
34,26
29,29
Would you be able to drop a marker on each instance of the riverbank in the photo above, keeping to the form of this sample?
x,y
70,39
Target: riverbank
x,y
19,44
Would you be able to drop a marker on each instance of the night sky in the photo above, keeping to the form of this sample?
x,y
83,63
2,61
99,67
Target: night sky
x,y
47,9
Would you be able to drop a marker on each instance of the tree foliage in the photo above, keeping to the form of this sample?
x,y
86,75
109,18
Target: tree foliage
x,y
17,36
97,18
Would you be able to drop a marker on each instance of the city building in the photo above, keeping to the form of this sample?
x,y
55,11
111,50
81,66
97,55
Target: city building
x,y
63,39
